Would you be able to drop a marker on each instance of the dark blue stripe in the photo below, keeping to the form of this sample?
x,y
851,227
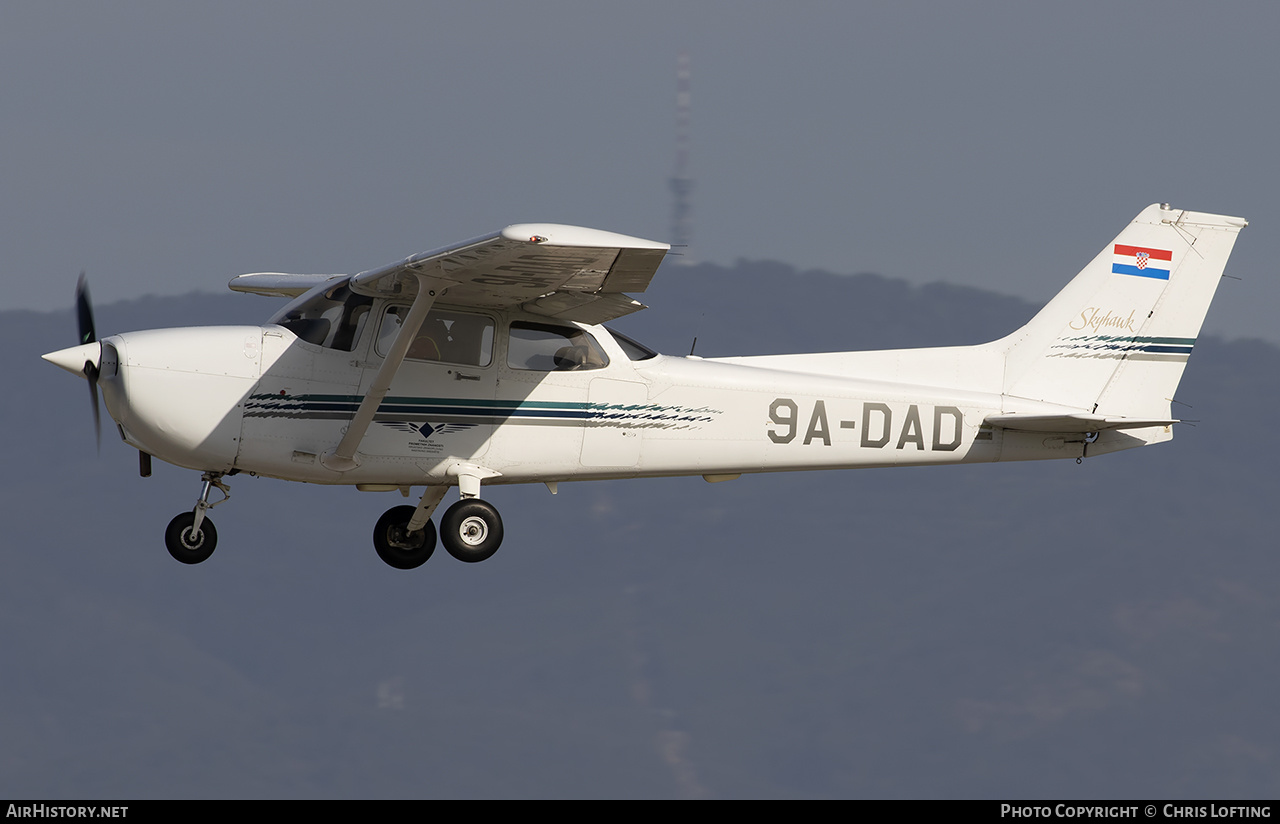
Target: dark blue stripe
x,y
1149,272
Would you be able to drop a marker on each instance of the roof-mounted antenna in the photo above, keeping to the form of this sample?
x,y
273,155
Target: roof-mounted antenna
x,y
695,335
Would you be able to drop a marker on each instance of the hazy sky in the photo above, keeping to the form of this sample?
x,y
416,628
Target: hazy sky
x,y
167,147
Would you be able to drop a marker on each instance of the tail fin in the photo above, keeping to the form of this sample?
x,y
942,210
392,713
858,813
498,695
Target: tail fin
x,y
1114,342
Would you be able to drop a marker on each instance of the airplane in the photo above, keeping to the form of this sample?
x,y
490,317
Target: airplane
x,y
487,363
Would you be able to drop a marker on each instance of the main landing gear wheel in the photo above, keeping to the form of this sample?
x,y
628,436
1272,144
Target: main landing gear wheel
x,y
397,546
187,546
471,530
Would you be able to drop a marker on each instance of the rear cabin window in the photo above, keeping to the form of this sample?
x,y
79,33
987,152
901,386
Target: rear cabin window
x,y
632,349
541,347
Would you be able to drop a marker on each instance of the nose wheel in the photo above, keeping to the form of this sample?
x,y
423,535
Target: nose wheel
x,y
187,542
191,536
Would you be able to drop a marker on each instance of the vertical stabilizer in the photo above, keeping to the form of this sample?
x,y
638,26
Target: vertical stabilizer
x,y
1115,341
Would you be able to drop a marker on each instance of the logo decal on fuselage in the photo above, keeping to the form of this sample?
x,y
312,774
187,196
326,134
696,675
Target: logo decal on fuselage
x,y
428,443
426,430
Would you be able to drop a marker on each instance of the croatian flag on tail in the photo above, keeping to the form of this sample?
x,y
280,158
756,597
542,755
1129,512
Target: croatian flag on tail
x,y
1142,262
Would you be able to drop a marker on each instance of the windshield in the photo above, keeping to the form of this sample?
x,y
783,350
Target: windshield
x,y
331,316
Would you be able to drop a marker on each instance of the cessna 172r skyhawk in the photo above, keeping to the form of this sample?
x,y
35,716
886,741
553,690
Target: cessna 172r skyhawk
x,y
485,363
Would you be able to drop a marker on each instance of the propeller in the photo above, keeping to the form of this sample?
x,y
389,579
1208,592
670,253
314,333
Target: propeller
x,y
84,318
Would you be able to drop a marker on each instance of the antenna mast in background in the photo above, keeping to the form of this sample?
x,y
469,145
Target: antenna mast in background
x,y
681,183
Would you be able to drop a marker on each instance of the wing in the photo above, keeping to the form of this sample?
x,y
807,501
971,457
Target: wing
x,y
549,269
278,284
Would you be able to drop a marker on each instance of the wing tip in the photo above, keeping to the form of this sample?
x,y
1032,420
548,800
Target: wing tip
x,y
560,234
277,284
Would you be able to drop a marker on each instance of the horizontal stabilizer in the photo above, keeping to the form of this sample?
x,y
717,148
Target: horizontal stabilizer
x,y
1079,422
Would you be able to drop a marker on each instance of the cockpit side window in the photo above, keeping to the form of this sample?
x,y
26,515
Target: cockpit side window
x,y
542,347
445,337
332,318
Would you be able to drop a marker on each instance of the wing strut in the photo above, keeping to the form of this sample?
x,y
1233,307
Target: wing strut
x,y
342,458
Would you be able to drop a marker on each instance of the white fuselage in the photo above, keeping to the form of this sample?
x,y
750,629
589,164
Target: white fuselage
x,y
263,401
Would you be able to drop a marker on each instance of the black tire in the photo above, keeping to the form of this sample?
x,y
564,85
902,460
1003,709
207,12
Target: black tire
x,y
185,547
398,548
471,530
